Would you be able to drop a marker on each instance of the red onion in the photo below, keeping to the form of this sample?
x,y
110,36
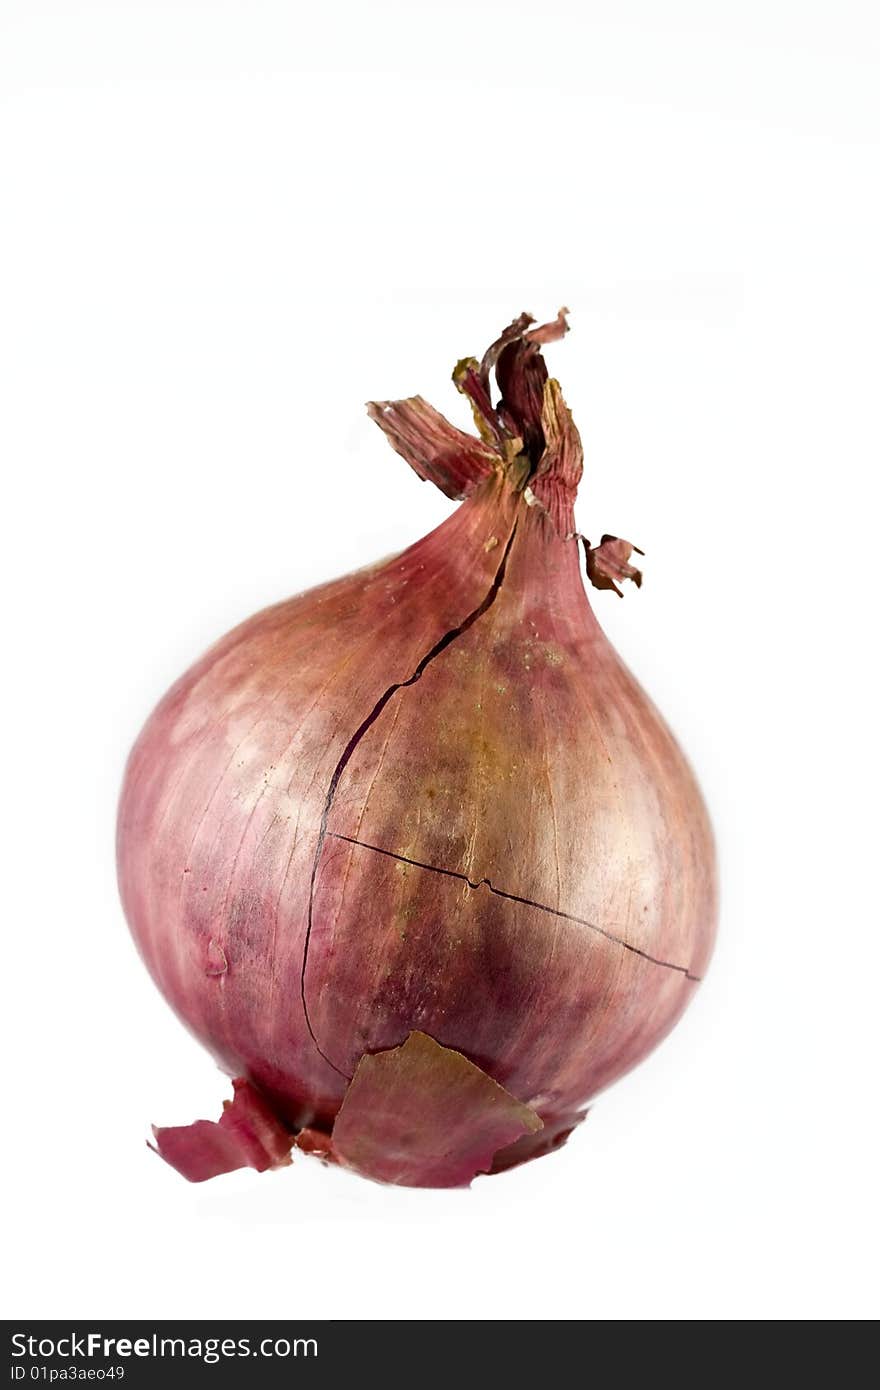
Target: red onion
x,y
412,853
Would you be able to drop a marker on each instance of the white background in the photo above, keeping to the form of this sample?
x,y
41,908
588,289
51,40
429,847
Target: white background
x,y
226,225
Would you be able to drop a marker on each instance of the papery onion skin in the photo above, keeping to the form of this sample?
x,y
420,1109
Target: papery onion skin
x,y
427,797
248,1135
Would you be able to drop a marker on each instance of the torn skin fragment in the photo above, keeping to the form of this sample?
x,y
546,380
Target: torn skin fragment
x,y
609,561
247,1135
422,1115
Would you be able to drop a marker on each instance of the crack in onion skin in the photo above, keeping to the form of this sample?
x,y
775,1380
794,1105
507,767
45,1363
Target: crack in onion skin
x,y
523,754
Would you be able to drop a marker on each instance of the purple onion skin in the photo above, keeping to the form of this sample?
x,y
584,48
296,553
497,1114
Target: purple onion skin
x,y
428,796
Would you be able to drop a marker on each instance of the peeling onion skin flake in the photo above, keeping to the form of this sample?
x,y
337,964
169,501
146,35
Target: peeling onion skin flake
x,y
247,1135
412,854
422,1115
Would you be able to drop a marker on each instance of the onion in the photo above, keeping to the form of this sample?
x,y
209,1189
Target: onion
x,y
413,854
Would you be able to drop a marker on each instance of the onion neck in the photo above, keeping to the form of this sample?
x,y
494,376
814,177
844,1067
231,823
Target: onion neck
x,y
545,580
527,444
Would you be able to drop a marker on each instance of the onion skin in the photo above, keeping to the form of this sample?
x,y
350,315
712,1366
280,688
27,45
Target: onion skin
x,y
422,1115
427,798
247,1135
